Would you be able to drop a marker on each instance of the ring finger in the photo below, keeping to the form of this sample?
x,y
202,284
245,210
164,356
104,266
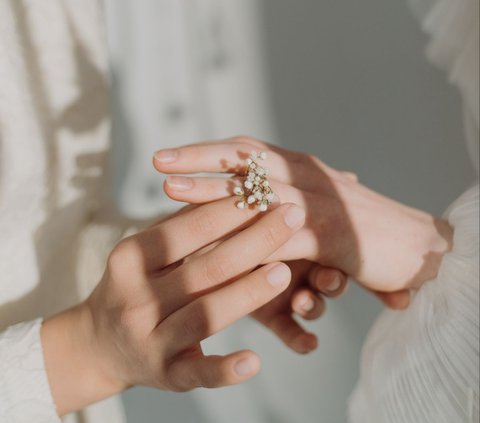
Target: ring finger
x,y
214,311
198,190
308,305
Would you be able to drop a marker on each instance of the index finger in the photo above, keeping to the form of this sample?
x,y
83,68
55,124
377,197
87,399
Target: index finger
x,y
172,240
222,157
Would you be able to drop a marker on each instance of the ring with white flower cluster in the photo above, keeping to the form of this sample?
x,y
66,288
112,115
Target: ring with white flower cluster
x,y
256,191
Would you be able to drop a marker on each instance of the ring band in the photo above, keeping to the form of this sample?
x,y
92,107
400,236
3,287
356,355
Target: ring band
x,y
256,190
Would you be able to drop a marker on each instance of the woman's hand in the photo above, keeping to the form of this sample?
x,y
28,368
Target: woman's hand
x,y
144,322
304,297
383,244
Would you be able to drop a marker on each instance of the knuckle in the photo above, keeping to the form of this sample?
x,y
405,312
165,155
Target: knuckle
x,y
204,223
210,381
125,257
250,141
270,236
351,176
197,325
181,386
179,381
311,161
314,160
217,268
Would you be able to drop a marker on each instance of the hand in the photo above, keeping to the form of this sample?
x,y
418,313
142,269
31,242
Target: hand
x,y
385,245
144,322
304,297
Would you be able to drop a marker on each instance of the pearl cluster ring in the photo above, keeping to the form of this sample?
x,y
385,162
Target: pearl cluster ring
x,y
256,189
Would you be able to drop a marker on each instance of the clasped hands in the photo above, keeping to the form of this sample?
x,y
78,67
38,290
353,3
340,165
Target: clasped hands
x,y
189,276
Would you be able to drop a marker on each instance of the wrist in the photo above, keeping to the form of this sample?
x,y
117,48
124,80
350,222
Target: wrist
x,y
391,246
75,365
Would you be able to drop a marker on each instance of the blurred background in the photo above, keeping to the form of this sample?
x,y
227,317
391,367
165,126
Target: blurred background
x,y
348,82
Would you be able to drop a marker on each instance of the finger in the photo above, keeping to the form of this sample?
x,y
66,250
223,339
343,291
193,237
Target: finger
x,y
304,244
226,157
179,212
199,190
292,334
398,300
185,233
350,175
213,371
241,139
233,257
330,282
307,305
213,312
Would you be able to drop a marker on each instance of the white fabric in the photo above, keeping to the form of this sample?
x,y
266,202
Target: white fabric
x,y
24,392
422,365
54,131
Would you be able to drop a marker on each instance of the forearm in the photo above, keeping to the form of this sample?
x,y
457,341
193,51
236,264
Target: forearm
x,y
75,367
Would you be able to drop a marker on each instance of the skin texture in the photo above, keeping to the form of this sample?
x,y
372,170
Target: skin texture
x,y
164,290
388,247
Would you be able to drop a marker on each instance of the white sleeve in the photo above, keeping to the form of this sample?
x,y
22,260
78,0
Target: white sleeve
x,y
24,391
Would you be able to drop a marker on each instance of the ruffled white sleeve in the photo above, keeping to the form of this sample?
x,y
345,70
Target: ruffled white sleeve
x,y
422,365
25,395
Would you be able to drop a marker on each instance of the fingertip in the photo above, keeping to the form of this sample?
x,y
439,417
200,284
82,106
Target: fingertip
x,y
247,365
305,304
279,275
165,157
305,343
308,304
311,342
168,190
400,301
294,216
154,162
330,282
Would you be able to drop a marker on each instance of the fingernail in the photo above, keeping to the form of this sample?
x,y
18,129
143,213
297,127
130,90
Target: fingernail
x,y
294,217
166,156
244,367
305,343
307,304
335,284
279,275
180,183
311,342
